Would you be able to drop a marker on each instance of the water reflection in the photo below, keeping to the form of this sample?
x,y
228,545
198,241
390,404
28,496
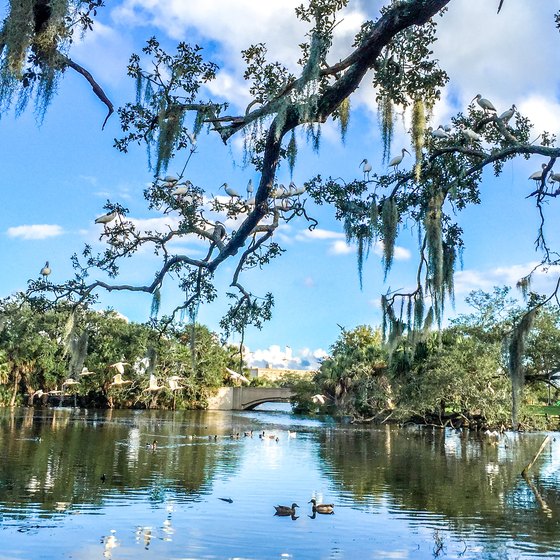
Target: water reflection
x,y
89,484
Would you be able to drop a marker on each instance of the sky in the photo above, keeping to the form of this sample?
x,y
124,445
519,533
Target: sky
x,y
55,176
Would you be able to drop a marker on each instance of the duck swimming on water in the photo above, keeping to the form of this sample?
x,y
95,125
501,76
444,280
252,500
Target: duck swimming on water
x,y
321,508
286,510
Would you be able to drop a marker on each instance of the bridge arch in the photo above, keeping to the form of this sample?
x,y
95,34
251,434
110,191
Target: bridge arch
x,y
247,398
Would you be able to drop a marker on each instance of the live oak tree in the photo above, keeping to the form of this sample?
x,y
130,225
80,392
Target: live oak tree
x,y
172,109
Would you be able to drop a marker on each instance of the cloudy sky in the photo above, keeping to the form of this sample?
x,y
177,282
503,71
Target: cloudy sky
x,y
57,176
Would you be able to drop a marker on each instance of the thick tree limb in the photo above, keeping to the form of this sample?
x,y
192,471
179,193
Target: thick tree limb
x,y
97,89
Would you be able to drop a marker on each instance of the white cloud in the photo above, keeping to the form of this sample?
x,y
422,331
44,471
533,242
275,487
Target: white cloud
x,y
340,247
469,280
276,357
319,234
36,231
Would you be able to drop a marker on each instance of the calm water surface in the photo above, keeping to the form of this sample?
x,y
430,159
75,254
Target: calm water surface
x,y
84,485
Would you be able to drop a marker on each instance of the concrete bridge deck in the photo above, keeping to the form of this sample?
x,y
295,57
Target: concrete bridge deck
x,y
247,398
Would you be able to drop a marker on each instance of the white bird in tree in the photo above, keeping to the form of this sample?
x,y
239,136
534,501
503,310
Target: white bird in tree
x,y
395,162
45,271
440,133
237,376
153,386
118,380
173,382
318,399
484,103
554,178
171,179
537,175
69,382
219,231
506,115
366,168
230,192
119,366
85,371
106,218
470,134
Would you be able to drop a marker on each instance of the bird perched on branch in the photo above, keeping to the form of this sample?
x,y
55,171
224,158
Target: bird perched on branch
x,y
470,134
537,175
366,168
106,218
506,115
395,162
45,271
487,106
230,192
440,133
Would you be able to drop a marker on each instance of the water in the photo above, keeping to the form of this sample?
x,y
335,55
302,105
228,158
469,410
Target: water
x,y
84,484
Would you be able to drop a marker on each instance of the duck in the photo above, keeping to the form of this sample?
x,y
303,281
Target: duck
x,y
153,445
286,510
321,508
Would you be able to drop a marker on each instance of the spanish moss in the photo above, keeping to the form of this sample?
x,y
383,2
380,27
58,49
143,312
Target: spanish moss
x,y
516,369
389,225
418,134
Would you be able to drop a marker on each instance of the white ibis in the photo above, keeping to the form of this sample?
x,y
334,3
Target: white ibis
x,y
153,386
318,399
119,366
484,103
173,383
470,134
171,179
366,168
506,115
230,192
45,271
395,162
537,175
118,380
106,218
554,178
180,190
219,231
440,133
237,376
85,371
69,382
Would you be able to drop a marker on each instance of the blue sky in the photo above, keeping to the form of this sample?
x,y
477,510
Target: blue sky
x,y
56,177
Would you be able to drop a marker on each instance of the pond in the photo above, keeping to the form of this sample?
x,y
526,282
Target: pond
x,y
86,484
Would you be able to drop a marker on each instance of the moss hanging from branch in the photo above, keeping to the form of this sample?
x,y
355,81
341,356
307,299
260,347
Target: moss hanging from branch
x,y
344,115
389,228
156,302
386,121
418,134
516,370
291,153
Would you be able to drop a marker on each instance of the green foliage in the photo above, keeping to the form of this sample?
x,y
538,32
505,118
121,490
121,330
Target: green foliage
x,y
355,375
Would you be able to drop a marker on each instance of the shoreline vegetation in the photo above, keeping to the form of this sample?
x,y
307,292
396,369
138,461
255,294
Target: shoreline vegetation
x,y
456,377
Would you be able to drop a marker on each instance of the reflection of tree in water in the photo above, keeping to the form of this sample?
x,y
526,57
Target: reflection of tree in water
x,y
54,457
470,479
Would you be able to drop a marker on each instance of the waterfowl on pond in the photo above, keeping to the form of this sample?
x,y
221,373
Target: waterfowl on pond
x,y
286,510
321,508
153,445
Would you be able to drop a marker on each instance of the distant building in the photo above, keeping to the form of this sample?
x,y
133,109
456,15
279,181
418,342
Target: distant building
x,y
274,374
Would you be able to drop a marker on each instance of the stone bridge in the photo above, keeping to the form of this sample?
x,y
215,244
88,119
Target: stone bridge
x,y
247,398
